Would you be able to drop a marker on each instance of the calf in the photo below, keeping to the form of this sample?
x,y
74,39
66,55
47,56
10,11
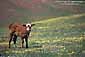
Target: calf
x,y
19,30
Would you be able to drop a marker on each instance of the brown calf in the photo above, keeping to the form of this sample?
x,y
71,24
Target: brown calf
x,y
20,30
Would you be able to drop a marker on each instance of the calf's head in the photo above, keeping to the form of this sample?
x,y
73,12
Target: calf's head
x,y
29,26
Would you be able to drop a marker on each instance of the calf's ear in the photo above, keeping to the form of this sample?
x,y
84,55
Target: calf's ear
x,y
32,24
24,25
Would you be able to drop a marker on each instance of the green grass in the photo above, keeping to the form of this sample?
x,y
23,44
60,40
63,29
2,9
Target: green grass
x,y
54,37
65,47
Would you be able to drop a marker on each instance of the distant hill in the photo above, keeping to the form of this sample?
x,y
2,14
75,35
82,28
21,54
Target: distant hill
x,y
33,10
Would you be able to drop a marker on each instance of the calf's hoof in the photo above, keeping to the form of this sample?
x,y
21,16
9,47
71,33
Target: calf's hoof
x,y
27,47
9,46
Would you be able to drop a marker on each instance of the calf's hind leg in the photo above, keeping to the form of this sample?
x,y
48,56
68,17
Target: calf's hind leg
x,y
11,36
15,39
22,42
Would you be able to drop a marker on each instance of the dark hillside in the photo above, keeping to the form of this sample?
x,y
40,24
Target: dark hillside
x,y
33,10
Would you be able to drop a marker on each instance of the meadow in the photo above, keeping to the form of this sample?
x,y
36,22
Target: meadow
x,y
53,37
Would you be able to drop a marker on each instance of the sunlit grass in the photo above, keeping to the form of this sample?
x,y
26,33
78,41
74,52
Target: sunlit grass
x,y
49,45
60,18
57,46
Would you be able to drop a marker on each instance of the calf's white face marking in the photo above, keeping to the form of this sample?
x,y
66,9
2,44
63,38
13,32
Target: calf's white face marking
x,y
28,25
27,29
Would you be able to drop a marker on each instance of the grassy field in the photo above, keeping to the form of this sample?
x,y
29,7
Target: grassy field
x,y
54,37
